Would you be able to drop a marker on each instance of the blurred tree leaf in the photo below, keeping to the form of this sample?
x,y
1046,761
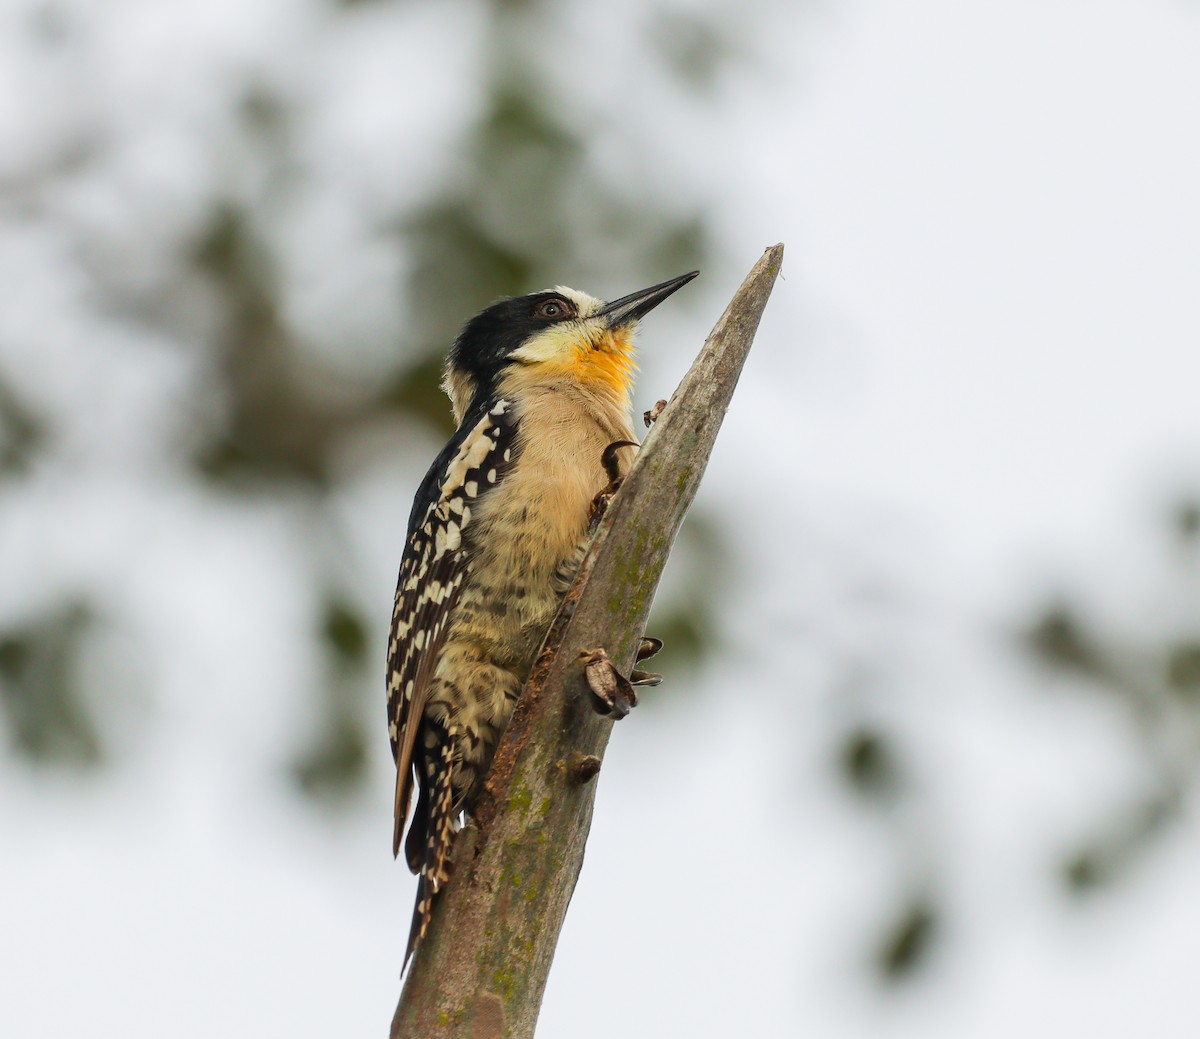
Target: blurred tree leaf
x,y
47,716
1158,676
685,637
418,392
906,945
335,765
272,427
867,763
345,632
688,620
1187,520
267,116
21,433
692,48
1183,668
458,261
1086,870
1059,639
684,244
1102,860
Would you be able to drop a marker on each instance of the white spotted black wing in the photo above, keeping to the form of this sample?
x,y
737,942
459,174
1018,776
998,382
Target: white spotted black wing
x,y
437,560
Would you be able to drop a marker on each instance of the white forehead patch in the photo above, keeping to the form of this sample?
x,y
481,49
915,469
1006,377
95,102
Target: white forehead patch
x,y
586,305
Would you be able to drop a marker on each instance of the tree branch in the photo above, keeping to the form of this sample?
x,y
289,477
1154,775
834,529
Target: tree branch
x,y
481,970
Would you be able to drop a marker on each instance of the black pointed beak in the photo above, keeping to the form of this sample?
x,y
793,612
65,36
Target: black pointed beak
x,y
638,304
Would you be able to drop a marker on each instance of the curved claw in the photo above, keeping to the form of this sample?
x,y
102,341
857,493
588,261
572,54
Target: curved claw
x,y
648,648
613,470
610,461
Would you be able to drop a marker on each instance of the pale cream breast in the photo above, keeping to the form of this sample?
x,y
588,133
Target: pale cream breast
x,y
533,524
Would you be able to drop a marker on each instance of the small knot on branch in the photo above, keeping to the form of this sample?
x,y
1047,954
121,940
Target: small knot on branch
x,y
583,768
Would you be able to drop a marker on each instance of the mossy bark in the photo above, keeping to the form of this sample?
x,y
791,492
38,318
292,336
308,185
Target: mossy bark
x,y
481,970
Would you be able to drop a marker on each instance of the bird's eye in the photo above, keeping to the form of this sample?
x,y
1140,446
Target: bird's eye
x,y
553,309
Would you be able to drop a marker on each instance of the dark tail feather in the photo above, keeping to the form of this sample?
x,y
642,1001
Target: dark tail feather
x,y
435,864
420,921
414,843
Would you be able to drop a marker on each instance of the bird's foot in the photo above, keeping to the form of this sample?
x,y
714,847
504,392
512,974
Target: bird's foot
x,y
613,694
649,646
651,416
613,470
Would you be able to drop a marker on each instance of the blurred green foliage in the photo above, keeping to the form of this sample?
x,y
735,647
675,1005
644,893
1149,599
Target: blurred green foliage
x,y
21,433
522,204
867,763
336,760
907,943
695,48
1157,680
48,718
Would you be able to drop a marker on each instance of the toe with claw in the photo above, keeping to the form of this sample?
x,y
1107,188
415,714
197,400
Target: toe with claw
x,y
649,647
612,692
651,416
612,467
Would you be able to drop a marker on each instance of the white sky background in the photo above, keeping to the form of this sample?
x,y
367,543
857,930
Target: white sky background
x,y
983,358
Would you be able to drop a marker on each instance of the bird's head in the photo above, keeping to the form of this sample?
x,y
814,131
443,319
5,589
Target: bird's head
x,y
561,334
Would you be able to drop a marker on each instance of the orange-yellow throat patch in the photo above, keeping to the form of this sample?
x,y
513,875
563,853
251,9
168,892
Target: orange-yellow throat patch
x,y
607,361
598,360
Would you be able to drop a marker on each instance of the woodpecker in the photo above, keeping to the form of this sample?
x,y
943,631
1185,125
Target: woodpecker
x,y
540,387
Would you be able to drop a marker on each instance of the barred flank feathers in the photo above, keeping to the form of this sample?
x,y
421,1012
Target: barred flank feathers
x,y
437,559
435,867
